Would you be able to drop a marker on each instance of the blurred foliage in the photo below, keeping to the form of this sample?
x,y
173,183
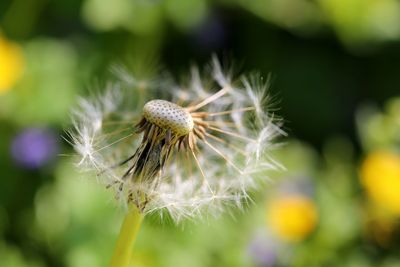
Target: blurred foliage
x,y
335,67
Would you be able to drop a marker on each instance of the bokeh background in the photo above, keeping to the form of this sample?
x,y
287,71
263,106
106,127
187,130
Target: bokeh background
x,y
335,67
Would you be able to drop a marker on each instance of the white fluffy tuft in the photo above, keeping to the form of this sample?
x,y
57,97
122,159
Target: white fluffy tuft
x,y
103,136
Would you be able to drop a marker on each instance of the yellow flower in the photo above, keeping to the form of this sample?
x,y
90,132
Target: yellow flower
x,y
380,175
292,217
11,64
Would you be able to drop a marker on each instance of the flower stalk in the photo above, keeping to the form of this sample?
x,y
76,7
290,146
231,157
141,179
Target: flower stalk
x,y
127,236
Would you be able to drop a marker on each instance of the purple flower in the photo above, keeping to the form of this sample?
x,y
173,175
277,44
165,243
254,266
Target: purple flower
x,y
34,147
263,250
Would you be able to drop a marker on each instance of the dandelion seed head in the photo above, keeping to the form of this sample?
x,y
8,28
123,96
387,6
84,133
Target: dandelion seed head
x,y
193,154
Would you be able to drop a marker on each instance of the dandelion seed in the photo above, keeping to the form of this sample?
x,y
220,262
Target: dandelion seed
x,y
200,153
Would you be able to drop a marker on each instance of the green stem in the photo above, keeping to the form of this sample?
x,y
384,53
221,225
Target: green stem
x,y
127,236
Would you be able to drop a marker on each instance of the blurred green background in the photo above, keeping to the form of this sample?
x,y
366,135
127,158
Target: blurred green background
x,y
336,78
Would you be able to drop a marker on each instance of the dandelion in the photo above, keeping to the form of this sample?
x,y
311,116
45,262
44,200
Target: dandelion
x,y
11,65
380,176
292,217
188,155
